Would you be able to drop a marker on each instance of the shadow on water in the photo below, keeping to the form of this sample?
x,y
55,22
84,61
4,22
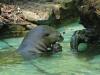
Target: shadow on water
x,y
90,52
65,23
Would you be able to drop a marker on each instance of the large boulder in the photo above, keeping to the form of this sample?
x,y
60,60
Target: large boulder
x,y
89,11
41,13
12,21
46,11
30,13
49,13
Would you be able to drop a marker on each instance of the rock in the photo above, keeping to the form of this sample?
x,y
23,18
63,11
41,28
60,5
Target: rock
x,y
49,13
45,11
89,11
31,13
12,21
42,13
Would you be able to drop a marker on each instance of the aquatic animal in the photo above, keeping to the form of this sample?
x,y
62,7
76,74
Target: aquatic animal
x,y
38,40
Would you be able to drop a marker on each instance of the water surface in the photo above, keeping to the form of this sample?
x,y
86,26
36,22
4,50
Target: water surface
x,y
64,63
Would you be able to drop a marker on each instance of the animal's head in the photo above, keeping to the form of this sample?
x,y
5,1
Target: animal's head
x,y
54,37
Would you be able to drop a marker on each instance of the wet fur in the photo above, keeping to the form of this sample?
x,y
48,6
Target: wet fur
x,y
37,40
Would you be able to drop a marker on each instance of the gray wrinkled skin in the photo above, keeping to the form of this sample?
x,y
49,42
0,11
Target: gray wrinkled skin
x,y
38,40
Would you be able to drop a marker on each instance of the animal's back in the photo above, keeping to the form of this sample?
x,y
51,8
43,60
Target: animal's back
x,y
30,44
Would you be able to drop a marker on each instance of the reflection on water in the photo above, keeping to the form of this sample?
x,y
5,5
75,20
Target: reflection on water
x,y
64,63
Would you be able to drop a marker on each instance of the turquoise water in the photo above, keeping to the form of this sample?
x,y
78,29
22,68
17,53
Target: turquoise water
x,y
64,63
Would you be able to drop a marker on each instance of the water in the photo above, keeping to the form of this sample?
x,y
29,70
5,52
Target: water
x,y
64,63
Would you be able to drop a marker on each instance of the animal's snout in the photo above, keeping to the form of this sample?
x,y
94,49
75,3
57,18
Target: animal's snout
x,y
61,38
56,47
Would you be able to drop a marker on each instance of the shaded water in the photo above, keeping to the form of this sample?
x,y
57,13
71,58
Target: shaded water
x,y
64,63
